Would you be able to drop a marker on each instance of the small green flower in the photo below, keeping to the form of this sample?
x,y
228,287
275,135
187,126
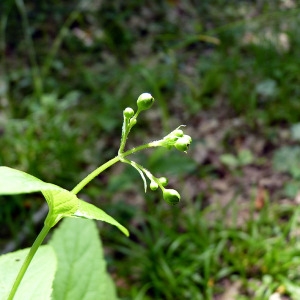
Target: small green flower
x,y
171,196
132,122
145,101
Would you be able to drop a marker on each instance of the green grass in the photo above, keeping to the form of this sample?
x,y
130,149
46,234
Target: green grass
x,y
193,253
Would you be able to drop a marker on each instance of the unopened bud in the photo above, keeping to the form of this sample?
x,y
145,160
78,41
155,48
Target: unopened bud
x,y
183,143
171,196
178,132
128,112
153,185
163,181
145,101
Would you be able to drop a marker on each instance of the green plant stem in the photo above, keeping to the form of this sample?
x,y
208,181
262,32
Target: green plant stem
x,y
95,173
127,126
109,163
142,147
76,189
37,243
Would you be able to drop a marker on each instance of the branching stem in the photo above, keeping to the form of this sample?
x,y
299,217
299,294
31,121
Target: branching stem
x,y
108,164
40,238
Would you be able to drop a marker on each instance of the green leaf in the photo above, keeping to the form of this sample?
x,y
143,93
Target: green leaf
x,y
111,292
13,181
81,272
245,157
62,203
267,88
287,159
291,189
229,160
37,281
90,211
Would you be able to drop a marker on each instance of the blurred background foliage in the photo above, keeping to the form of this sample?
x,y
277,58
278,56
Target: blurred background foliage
x,y
227,69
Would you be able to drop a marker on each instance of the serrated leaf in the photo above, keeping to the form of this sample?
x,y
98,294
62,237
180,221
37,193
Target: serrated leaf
x,y
81,272
37,281
90,211
13,181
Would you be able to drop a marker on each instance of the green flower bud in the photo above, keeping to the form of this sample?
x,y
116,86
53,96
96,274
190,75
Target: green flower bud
x,y
128,112
145,101
170,139
183,143
153,185
163,181
171,196
177,132
133,122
